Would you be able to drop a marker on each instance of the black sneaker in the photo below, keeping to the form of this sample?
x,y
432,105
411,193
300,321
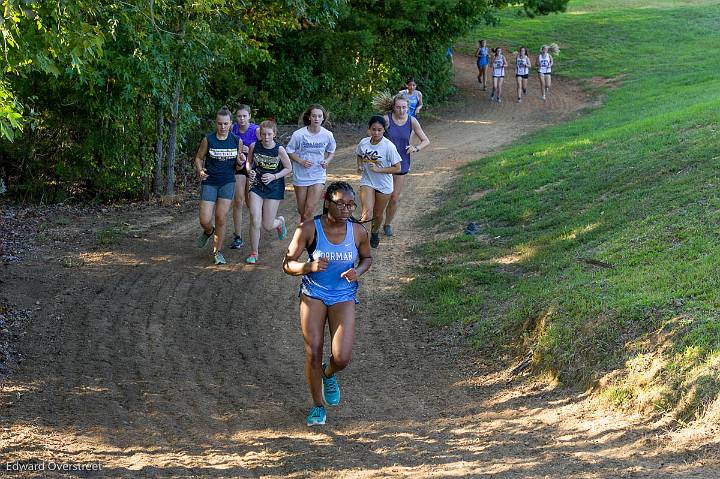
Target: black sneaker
x,y
374,240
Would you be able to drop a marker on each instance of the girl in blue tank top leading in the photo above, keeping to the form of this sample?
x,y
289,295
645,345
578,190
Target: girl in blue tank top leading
x,y
338,254
414,96
268,165
483,59
215,161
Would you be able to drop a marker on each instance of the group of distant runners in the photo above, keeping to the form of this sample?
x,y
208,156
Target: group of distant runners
x,y
242,163
495,61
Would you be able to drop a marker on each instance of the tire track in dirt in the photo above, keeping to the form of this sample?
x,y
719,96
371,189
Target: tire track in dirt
x,y
177,368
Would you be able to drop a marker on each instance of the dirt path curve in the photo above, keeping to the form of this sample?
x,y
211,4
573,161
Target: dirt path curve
x,y
153,363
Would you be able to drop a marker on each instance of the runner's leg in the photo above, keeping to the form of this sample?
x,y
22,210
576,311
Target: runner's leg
x,y
341,317
314,194
270,220
207,210
367,198
394,203
312,322
381,202
238,203
301,197
256,207
221,210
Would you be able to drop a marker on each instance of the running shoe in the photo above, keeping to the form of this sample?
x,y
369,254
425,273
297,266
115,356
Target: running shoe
x,y
499,100
252,259
331,390
237,243
204,239
542,98
219,258
388,230
374,239
281,230
519,100
316,417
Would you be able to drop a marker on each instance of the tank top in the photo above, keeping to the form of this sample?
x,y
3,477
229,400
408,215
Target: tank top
x,y
328,285
412,102
484,54
400,137
266,160
220,159
544,63
498,68
521,65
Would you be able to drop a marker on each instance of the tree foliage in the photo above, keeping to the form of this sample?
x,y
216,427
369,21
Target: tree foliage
x,y
99,97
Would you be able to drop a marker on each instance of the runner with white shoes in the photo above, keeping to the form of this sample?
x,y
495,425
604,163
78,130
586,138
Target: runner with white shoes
x,y
339,253
544,63
522,71
499,63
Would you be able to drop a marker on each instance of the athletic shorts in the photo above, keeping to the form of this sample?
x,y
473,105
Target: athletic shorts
x,y
329,302
523,76
275,190
482,64
499,76
213,192
546,74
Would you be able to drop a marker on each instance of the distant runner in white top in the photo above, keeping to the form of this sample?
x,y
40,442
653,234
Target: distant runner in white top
x,y
377,160
544,63
522,71
499,63
312,148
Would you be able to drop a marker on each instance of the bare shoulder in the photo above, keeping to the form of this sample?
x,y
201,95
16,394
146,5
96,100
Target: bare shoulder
x,y
359,232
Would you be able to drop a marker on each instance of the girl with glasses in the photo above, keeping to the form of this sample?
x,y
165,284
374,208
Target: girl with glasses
x,y
338,254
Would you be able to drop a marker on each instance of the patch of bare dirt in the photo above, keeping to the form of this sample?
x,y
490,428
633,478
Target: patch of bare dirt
x,y
149,361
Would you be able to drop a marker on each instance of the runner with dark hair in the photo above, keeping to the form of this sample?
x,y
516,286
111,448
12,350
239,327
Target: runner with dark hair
x,y
338,254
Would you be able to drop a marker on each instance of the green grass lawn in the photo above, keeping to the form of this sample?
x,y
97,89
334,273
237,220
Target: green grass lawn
x,y
600,238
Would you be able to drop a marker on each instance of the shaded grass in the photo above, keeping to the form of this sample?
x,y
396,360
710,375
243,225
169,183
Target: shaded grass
x,y
598,232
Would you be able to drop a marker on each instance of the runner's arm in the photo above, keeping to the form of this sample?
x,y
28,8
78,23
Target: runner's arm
x,y
417,129
364,251
419,103
200,159
300,241
287,164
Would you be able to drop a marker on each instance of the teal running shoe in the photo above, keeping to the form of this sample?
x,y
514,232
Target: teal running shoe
x,y
219,258
316,417
331,390
204,238
281,230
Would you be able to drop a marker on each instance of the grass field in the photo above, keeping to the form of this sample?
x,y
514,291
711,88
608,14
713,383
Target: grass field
x,y
600,238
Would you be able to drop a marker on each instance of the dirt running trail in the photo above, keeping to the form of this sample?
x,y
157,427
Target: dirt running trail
x,y
152,363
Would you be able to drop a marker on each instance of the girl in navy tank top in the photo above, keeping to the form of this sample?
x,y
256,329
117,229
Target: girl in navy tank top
x,y
268,164
400,128
215,163
338,253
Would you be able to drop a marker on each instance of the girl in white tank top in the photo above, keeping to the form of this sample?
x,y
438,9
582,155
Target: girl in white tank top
x,y
545,63
522,70
498,65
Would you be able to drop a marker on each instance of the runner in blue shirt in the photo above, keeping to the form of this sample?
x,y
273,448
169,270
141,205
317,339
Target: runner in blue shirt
x,y
339,252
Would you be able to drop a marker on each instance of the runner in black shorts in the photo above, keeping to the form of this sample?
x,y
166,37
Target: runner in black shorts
x,y
522,70
269,164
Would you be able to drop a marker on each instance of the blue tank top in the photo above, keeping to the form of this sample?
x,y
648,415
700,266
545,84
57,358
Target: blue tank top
x,y
220,159
400,136
327,285
412,102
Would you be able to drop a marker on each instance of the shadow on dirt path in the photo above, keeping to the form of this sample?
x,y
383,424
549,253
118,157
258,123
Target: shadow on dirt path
x,y
148,361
